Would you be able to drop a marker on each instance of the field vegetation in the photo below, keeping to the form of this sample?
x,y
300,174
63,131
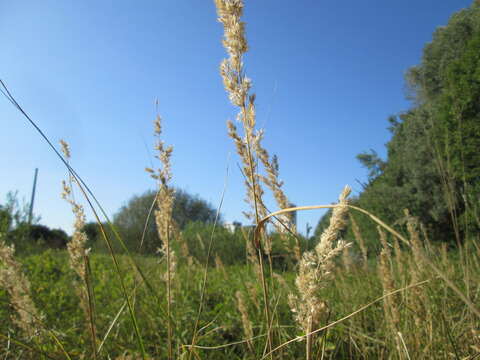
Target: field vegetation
x,y
391,274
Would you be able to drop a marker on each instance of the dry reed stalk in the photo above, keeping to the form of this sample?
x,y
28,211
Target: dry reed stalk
x,y
12,279
246,152
297,251
398,257
415,240
253,294
185,251
248,146
316,270
416,302
78,253
163,217
219,265
246,323
384,241
419,299
77,246
361,242
275,185
390,308
281,280
444,256
347,259
251,253
428,243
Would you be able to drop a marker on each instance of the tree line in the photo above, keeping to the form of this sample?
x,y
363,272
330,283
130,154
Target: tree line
x,y
433,157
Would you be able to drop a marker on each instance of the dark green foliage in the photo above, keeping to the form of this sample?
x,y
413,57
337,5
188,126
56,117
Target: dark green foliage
x,y
188,208
40,236
131,219
372,162
433,163
5,219
93,232
459,115
229,246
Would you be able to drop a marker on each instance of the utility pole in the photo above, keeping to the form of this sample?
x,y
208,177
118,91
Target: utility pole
x,y
30,212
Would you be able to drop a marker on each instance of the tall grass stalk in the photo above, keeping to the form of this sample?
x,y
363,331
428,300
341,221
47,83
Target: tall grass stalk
x,y
163,219
17,285
238,87
316,269
78,253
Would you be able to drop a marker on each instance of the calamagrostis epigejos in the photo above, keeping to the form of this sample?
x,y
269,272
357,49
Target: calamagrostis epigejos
x,y
419,299
385,272
238,87
361,242
164,199
163,217
247,324
77,246
17,285
316,270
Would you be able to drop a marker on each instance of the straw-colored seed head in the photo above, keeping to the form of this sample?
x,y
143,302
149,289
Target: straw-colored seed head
x,y
65,148
17,285
77,246
247,324
316,269
361,242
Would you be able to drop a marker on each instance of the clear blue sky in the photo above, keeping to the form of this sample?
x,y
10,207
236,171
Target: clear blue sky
x,y
327,74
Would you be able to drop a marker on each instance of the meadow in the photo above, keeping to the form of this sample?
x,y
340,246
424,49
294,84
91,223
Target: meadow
x,y
270,293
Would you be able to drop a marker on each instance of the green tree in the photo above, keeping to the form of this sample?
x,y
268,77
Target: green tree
x,y
433,162
36,237
372,162
131,219
92,230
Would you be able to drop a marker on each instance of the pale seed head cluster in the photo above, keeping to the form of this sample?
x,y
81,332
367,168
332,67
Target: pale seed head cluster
x,y
238,86
77,246
165,196
419,299
415,240
247,324
316,269
361,242
254,189
392,315
17,286
273,182
229,14
219,265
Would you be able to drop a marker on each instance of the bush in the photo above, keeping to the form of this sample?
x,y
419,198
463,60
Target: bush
x,y
29,238
131,218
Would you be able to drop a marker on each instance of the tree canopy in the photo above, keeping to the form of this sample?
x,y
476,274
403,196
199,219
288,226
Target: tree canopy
x,y
433,158
132,217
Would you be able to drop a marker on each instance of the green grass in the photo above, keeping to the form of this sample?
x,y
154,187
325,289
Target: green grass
x,y
447,323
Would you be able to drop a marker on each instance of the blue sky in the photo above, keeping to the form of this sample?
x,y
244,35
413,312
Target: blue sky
x,y
327,74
